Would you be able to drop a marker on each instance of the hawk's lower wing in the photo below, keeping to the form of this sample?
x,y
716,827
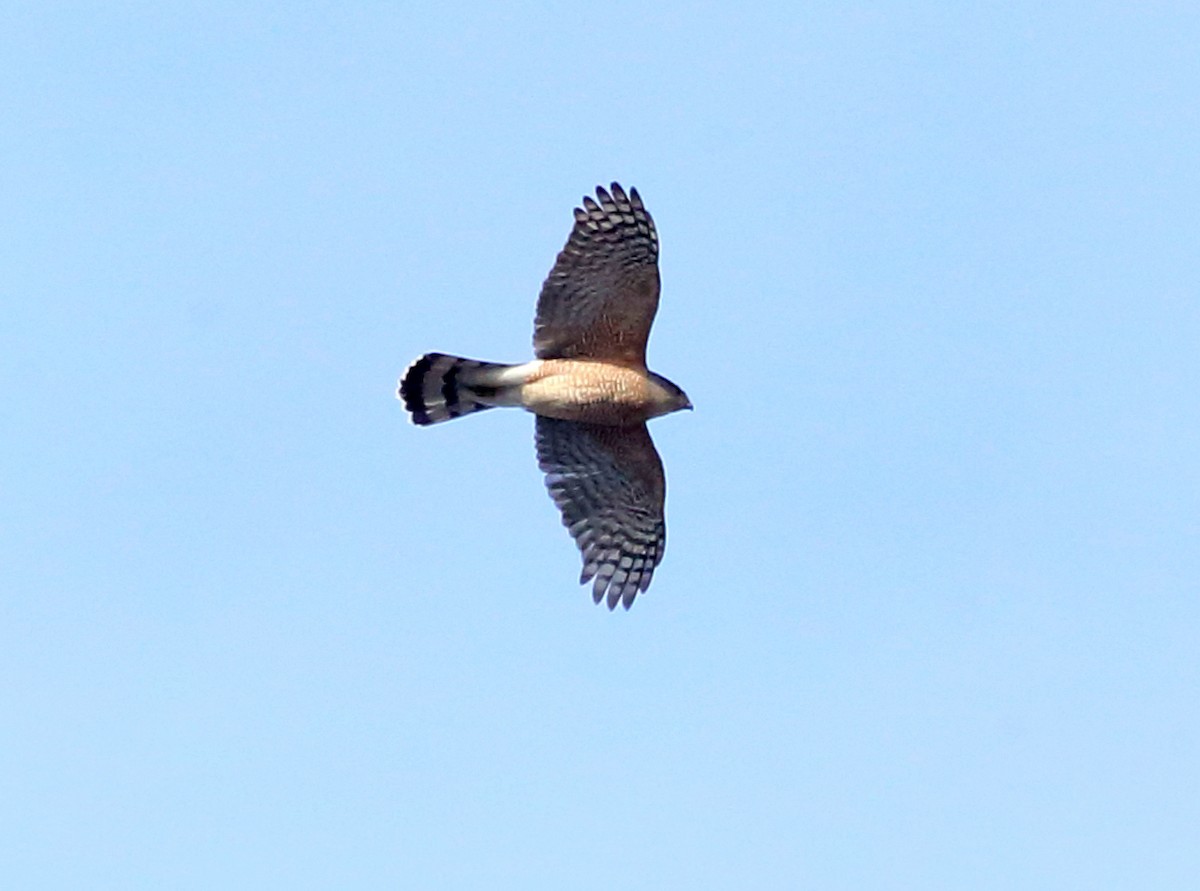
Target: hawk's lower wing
x,y
608,482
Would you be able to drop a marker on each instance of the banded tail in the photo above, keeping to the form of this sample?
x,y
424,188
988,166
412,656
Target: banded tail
x,y
438,387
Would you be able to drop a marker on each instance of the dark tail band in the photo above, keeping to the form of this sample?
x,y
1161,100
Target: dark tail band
x,y
434,388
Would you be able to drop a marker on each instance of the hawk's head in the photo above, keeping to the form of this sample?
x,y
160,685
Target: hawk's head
x,y
668,397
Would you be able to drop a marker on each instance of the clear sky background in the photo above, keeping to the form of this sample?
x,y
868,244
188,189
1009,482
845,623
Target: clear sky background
x,y
930,610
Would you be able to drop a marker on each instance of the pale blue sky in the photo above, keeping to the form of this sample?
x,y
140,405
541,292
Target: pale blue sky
x,y
930,610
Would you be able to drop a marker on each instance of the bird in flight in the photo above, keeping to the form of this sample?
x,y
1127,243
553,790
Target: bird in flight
x,y
590,390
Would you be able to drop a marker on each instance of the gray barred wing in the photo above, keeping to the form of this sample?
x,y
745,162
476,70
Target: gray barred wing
x,y
608,483
600,298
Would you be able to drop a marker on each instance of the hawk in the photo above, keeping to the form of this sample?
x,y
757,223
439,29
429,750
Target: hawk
x,y
590,390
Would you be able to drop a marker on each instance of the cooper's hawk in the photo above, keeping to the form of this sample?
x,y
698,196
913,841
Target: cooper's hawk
x,y
590,389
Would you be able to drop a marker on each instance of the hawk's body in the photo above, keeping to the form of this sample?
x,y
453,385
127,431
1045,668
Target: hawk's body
x,y
590,389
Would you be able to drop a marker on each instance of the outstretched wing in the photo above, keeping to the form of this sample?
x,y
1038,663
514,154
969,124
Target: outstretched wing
x,y
601,296
608,482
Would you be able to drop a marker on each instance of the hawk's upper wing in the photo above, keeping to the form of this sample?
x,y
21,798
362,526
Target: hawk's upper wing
x,y
608,482
600,298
